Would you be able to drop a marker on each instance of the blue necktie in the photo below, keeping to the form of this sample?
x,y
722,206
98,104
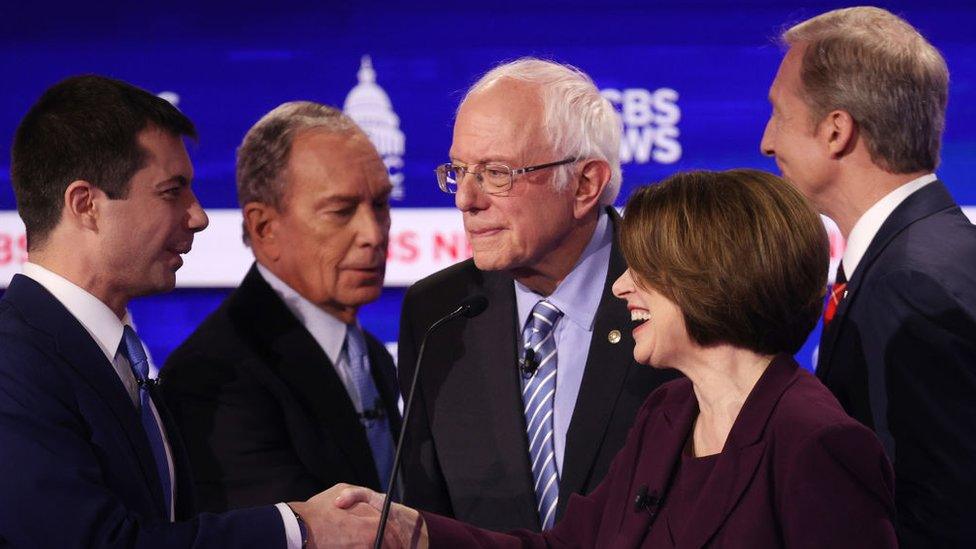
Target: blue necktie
x,y
538,393
372,412
132,347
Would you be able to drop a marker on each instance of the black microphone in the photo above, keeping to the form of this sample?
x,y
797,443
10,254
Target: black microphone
x,y
470,307
529,364
645,501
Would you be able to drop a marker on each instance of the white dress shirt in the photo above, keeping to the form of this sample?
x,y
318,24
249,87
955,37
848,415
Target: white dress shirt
x,y
870,222
106,330
328,331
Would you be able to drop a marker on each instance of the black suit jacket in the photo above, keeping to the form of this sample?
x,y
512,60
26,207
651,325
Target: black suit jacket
x,y
263,413
76,468
466,451
901,357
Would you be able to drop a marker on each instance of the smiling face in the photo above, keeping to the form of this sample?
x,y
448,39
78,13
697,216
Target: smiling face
x,y
528,228
329,242
660,337
141,236
790,136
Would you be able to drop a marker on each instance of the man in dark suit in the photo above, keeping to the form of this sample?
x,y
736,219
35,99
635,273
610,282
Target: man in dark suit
x,y
527,403
90,454
858,112
280,394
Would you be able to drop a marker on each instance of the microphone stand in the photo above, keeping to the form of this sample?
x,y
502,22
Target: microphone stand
x,y
470,307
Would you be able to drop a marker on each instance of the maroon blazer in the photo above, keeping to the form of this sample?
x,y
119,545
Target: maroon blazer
x,y
795,471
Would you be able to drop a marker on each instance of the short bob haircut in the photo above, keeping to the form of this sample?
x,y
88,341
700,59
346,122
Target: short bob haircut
x,y
740,252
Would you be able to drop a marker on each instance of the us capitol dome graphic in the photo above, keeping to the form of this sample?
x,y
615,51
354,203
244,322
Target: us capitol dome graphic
x,y
369,106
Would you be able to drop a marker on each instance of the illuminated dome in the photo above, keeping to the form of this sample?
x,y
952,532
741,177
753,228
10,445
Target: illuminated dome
x,y
369,106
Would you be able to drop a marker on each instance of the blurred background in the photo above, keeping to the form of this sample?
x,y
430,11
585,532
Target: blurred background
x,y
689,79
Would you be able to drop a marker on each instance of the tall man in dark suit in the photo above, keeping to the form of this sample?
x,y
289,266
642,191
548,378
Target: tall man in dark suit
x,y
858,112
89,452
280,394
527,403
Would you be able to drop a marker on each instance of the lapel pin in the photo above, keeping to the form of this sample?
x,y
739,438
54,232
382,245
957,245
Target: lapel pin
x,y
614,336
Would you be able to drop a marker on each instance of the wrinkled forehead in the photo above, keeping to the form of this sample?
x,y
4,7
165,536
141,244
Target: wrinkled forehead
x,y
335,162
504,121
788,74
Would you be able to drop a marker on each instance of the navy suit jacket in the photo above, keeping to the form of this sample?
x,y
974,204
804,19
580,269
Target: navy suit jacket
x,y
795,471
76,468
466,453
262,411
900,355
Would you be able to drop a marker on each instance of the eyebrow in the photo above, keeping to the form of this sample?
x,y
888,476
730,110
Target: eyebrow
x,y
487,160
180,180
339,199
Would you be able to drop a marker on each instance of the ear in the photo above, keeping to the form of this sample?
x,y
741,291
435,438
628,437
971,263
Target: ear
x,y
261,224
839,131
80,205
592,179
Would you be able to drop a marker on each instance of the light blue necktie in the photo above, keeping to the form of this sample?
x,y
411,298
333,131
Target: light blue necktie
x,y
131,346
538,393
372,412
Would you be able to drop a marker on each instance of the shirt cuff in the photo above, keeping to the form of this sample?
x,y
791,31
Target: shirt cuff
x,y
293,534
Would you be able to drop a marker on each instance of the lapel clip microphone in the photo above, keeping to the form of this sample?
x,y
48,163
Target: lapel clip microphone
x,y
528,364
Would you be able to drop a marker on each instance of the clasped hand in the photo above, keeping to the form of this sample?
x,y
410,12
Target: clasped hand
x,y
347,516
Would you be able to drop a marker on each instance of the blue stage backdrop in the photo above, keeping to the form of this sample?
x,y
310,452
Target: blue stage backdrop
x,y
689,79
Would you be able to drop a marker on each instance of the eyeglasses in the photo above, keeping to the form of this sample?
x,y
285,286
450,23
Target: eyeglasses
x,y
492,178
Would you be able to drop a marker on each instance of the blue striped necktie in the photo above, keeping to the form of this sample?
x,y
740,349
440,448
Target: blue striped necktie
x,y
372,412
538,393
132,347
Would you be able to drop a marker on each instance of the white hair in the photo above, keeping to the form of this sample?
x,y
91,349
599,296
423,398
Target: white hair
x,y
578,121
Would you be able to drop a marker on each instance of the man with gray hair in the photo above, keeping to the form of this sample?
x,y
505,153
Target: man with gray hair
x,y
280,393
497,437
858,112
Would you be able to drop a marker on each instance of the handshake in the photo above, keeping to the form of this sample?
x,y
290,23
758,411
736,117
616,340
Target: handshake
x,y
347,516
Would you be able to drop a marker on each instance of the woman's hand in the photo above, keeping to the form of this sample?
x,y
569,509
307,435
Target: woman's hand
x,y
405,525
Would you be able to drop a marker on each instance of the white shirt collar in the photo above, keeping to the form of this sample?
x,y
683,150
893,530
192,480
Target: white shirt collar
x,y
870,222
94,315
328,331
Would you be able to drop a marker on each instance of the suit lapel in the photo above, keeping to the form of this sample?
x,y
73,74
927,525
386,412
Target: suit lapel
x,y
928,200
604,376
489,342
660,449
45,313
297,360
184,492
744,448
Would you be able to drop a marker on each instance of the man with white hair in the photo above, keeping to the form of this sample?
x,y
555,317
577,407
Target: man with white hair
x,y
527,403
858,112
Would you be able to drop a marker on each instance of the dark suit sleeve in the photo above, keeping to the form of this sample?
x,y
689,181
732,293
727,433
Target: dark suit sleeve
x,y
423,482
51,489
837,491
579,526
922,339
234,431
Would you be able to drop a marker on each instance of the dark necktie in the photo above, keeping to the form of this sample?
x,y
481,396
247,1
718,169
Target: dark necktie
x,y
837,294
132,347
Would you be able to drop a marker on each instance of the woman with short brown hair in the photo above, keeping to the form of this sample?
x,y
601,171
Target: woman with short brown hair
x,y
727,276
